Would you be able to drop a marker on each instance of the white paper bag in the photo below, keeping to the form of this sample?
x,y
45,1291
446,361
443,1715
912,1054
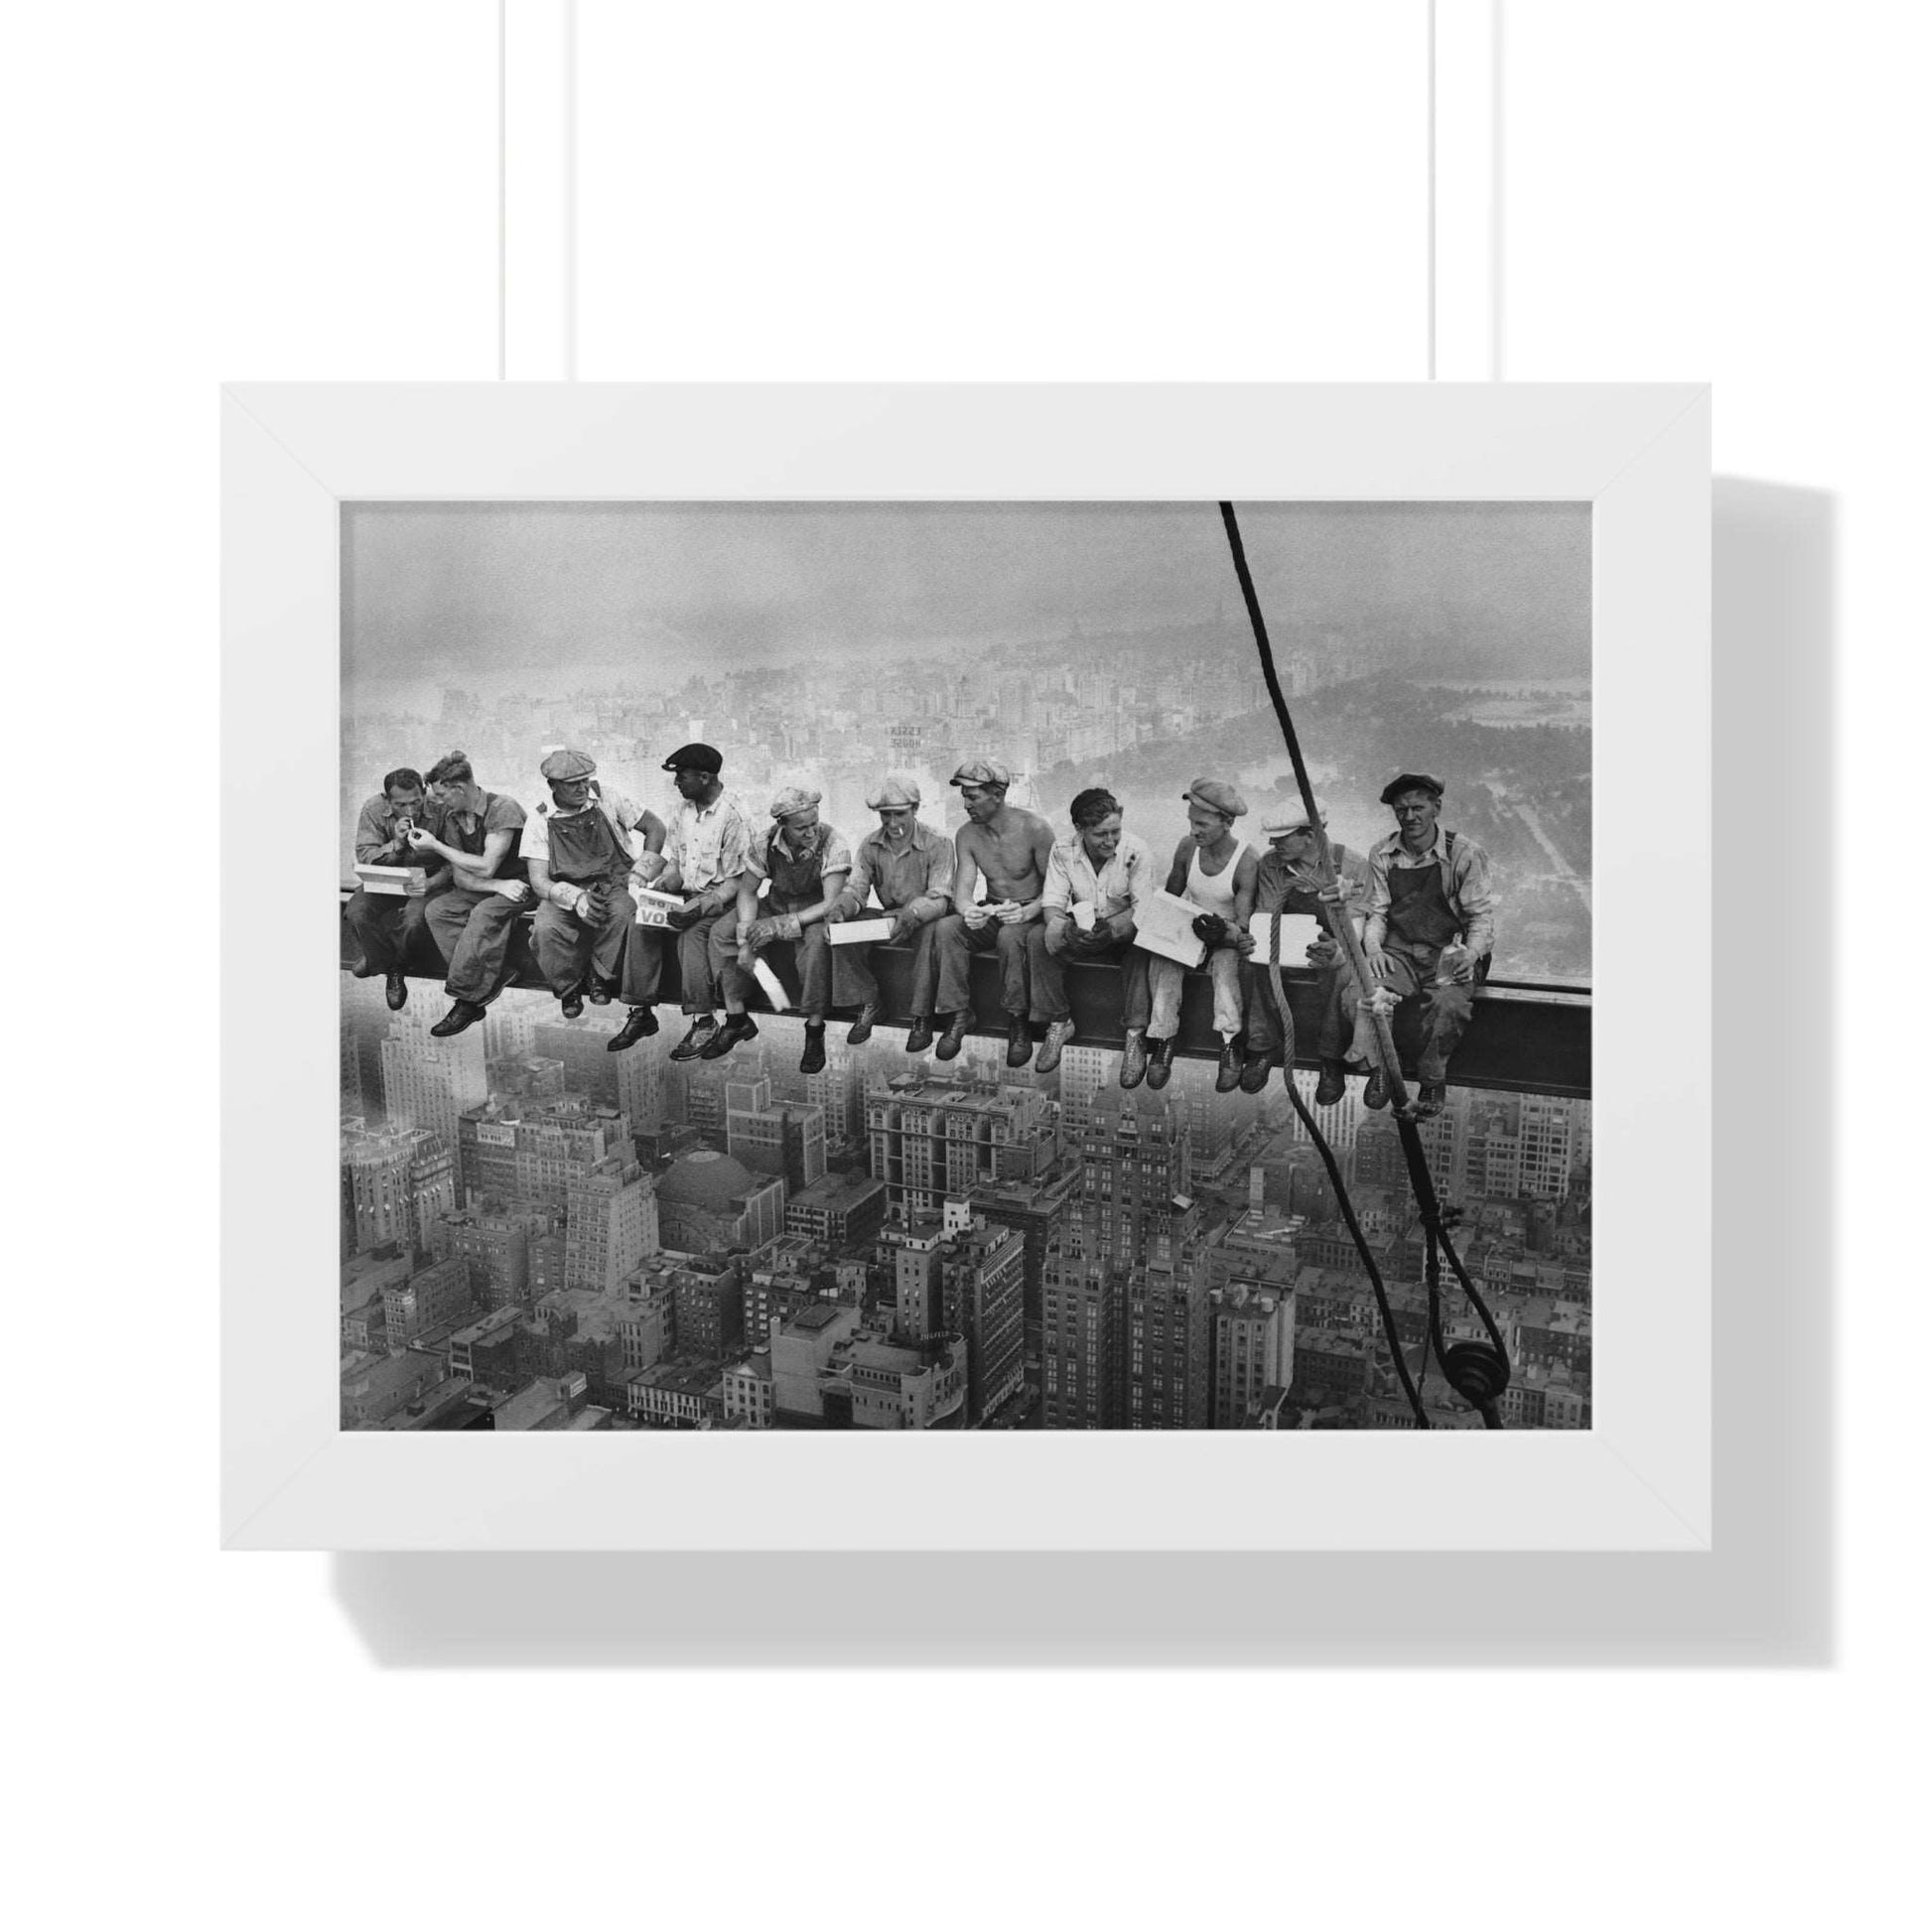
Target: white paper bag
x,y
1299,930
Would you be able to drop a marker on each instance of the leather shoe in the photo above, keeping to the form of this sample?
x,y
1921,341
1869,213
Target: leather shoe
x,y
1227,1077
1160,1064
704,1029
1133,1059
737,1027
573,1002
397,992
953,1039
1253,1072
919,1036
597,993
1333,1084
642,1024
1058,1033
1020,1043
1376,1092
812,1060
464,1012
862,1026
1430,1100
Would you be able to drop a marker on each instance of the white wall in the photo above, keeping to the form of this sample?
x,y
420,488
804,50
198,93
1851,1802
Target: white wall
x,y
206,192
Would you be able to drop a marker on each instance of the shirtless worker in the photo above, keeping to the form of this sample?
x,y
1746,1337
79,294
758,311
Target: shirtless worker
x,y
1009,850
1215,871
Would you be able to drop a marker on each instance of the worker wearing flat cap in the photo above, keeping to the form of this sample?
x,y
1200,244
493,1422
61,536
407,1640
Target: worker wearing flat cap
x,y
1289,880
1214,870
1097,881
579,849
906,869
702,861
798,865
1431,923
1007,849
478,834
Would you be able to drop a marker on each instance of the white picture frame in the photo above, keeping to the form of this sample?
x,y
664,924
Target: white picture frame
x,y
1638,1480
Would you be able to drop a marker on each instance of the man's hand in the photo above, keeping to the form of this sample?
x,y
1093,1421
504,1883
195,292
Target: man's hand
x,y
1322,951
757,933
516,890
905,926
1009,911
651,866
1456,963
975,917
681,918
835,914
420,839
1378,960
569,898
1212,928
1098,936
1244,942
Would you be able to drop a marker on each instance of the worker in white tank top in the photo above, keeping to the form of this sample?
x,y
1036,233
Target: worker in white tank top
x,y
1215,871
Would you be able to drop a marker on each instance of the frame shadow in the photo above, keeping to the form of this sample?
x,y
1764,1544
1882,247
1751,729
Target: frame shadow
x,y
1765,1595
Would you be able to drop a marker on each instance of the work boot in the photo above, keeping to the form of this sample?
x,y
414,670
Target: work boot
x,y
954,1038
573,1002
1253,1072
1133,1058
640,1026
737,1027
703,1030
812,1060
597,992
396,991
1227,1077
1160,1064
918,1036
1058,1033
862,1026
1432,1099
1020,1043
362,970
1376,1093
1333,1084
464,1012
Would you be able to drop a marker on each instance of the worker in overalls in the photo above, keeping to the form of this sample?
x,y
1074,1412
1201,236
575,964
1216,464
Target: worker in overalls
x,y
1431,925
578,852
801,865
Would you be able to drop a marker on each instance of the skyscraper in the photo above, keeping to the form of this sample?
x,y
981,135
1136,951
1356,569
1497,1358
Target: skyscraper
x,y
782,1136
430,1082
931,1140
1254,1348
982,1288
397,1183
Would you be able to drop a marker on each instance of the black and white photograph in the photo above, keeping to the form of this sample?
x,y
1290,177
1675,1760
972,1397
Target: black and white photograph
x,y
965,966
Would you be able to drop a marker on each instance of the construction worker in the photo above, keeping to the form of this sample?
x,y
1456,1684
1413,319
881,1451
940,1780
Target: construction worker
x,y
578,850
385,923
800,865
1214,870
1009,849
1286,880
702,860
1096,883
473,921
1430,923
907,868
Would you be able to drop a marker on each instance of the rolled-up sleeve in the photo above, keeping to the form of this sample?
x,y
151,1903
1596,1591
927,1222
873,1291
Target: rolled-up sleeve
x,y
936,899
1057,894
1476,898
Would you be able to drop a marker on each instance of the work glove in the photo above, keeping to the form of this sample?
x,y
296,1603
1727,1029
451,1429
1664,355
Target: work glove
x,y
681,918
905,926
1212,928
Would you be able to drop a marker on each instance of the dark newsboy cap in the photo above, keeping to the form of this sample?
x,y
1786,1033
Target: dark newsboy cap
x,y
1411,782
696,758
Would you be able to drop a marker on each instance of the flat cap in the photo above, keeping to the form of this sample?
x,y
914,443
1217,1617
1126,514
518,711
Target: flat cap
x,y
1217,795
981,771
1291,815
1411,782
894,791
794,798
696,758
563,764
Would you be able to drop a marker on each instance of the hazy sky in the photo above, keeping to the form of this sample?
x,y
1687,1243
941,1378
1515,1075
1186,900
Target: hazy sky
x,y
483,594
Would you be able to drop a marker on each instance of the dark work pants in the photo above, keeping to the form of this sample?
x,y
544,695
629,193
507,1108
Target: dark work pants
x,y
385,928
644,962
853,982
1334,987
806,961
568,948
1446,1009
1136,1002
1030,976
473,932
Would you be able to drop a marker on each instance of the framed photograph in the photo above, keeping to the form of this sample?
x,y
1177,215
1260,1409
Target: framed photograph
x,y
697,1287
